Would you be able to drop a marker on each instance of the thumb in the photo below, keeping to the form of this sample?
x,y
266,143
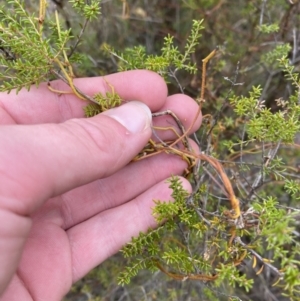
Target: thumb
x,y
41,161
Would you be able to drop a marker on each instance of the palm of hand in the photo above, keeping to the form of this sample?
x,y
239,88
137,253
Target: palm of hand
x,y
69,209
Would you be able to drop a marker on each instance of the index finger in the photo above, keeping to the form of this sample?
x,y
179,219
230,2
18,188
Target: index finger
x,y
40,105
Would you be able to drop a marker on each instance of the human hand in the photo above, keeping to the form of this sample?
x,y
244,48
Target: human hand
x,y
69,195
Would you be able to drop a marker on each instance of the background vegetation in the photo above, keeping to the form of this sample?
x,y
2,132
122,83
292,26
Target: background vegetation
x,y
251,125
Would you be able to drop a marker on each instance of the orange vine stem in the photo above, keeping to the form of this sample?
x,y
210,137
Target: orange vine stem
x,y
201,100
201,277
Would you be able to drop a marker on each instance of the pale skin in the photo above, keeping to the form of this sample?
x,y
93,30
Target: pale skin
x,y
70,197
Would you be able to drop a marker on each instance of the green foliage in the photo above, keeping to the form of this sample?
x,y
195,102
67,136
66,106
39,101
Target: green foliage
x,y
290,74
34,49
179,257
293,188
272,57
102,103
230,274
264,125
250,123
89,10
278,229
176,254
264,28
248,106
27,58
169,62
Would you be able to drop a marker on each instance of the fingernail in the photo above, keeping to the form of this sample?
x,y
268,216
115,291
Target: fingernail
x,y
134,115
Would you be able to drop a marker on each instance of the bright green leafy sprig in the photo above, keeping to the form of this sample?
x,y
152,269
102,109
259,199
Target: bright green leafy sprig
x,y
34,49
176,246
293,188
103,103
272,57
26,58
89,9
277,232
168,62
261,123
268,28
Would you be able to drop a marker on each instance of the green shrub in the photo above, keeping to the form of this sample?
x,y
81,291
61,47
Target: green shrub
x,y
249,137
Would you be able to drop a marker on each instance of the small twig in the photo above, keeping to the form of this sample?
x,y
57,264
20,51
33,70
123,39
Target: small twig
x,y
187,245
262,11
271,154
214,179
218,114
173,74
73,48
238,240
